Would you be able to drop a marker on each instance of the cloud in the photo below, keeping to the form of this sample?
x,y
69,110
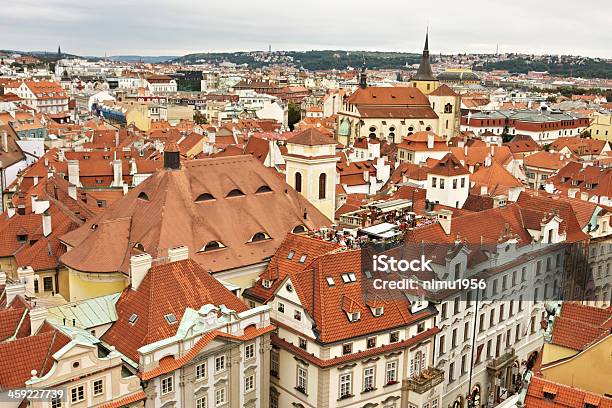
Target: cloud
x,y
160,27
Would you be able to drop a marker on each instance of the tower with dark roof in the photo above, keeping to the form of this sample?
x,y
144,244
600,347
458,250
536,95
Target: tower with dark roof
x,y
424,78
363,76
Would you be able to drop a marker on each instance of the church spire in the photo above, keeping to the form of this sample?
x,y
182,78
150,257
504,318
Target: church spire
x,y
363,76
424,73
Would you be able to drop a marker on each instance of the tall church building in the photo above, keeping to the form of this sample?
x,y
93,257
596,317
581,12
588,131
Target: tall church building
x,y
424,79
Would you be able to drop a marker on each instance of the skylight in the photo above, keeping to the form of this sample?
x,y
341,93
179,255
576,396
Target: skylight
x,y
330,281
170,318
303,258
291,254
133,318
349,277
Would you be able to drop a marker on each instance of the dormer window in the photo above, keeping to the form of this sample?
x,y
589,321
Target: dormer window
x,y
263,189
377,311
139,246
235,193
259,236
266,283
143,196
204,197
354,316
21,238
211,246
299,229
94,227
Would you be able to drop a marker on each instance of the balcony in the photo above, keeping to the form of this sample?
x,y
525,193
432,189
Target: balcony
x,y
502,361
428,379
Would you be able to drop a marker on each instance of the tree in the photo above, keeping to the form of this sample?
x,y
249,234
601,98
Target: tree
x,y
294,114
199,118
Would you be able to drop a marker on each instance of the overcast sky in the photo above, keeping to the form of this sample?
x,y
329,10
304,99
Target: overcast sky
x,y
177,27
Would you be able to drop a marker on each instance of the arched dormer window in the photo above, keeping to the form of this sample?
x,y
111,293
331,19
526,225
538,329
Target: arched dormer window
x,y
143,196
263,189
235,193
298,229
298,182
211,246
204,197
322,186
139,246
259,236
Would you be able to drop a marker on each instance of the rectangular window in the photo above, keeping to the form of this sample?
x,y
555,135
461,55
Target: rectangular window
x,y
451,372
167,385
200,371
462,182
454,184
77,394
249,351
281,307
444,311
492,318
456,305
202,402
441,346
220,397
468,299
433,181
504,282
274,363
219,364
517,333
454,339
302,379
523,274
56,402
303,343
489,347
501,312
508,336
513,278
297,315
98,387
371,342
345,385
481,324
466,331
391,372
368,378
394,337
464,364
347,348
441,183
249,383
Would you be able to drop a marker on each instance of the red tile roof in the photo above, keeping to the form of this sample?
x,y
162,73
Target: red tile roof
x,y
449,165
564,396
311,137
166,289
578,326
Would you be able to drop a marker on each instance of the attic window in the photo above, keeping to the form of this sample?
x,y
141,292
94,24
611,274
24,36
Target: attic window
x,y
291,254
259,236
94,227
133,318
377,311
549,395
303,258
204,197
263,189
211,246
235,193
266,283
139,246
355,316
349,277
299,229
143,196
22,238
330,281
170,318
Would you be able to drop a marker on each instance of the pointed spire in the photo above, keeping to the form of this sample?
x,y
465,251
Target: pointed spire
x,y
363,77
424,73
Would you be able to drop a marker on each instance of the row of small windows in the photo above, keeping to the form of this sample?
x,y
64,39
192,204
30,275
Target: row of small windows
x,y
257,237
207,196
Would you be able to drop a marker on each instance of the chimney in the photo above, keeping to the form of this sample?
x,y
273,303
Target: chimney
x,y
178,253
73,172
117,173
484,190
26,276
487,162
4,141
13,291
465,151
116,138
430,140
444,218
125,189
61,156
492,150
46,224
34,197
2,278
72,192
38,315
139,266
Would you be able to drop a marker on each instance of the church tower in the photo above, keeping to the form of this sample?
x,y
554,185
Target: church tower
x,y
363,76
424,79
311,169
